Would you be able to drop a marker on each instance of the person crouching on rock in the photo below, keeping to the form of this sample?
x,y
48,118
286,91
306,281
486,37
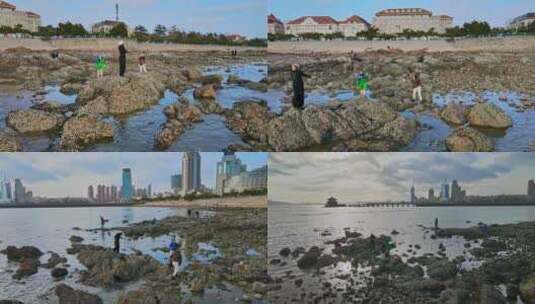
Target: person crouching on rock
x,y
122,58
176,260
142,64
416,87
117,238
101,66
298,101
173,246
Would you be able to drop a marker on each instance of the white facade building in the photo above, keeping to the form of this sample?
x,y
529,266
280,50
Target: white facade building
x,y
275,26
393,21
10,16
326,25
522,21
252,180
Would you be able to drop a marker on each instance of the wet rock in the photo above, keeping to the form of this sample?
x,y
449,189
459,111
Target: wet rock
x,y
192,73
310,258
150,295
209,106
68,295
454,114
489,116
71,88
527,289
54,260
285,252
466,139
83,130
124,95
59,273
250,119
15,254
491,295
76,239
180,116
442,270
197,285
205,92
259,287
10,302
9,141
27,267
213,80
33,121
98,105
256,86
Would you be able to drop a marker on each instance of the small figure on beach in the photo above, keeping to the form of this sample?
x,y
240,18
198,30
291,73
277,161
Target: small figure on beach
x,y
122,58
197,214
189,212
416,86
234,53
54,54
101,65
176,261
436,223
298,101
142,64
361,83
117,239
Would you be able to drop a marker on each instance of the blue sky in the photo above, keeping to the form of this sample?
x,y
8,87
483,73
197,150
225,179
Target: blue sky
x,y
69,174
353,177
246,17
497,12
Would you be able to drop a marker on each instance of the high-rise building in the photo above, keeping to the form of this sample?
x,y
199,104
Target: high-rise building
x,y
176,182
20,192
247,180
191,172
457,193
413,195
9,192
127,189
91,192
531,188
445,191
228,167
149,191
114,194
431,194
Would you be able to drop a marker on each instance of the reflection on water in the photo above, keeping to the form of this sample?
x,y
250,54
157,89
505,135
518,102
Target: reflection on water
x,y
300,225
50,229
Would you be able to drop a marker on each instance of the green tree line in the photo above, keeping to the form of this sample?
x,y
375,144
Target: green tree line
x,y
469,29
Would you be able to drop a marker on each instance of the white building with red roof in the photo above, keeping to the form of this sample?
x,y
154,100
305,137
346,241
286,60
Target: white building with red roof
x,y
10,16
393,21
275,26
326,25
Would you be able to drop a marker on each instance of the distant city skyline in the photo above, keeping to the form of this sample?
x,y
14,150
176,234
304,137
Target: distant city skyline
x,y
496,12
244,17
70,174
357,177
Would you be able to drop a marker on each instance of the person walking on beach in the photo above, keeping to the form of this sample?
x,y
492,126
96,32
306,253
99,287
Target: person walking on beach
x,y
176,261
416,87
142,64
122,58
361,82
436,223
298,101
117,239
101,66
102,222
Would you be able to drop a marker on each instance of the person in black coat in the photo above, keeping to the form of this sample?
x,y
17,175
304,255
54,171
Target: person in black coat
x,y
122,58
298,87
117,244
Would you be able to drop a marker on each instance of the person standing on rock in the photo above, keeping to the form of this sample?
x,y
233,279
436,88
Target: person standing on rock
x,y
416,87
142,64
173,246
361,80
122,58
176,260
298,101
117,238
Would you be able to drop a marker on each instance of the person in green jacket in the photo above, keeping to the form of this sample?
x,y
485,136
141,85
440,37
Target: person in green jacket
x,y
361,82
101,66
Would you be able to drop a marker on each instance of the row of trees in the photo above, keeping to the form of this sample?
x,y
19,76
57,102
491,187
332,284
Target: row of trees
x,y
160,34
469,29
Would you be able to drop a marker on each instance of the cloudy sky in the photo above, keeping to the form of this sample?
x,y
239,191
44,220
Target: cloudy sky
x,y
246,17
69,174
496,12
354,177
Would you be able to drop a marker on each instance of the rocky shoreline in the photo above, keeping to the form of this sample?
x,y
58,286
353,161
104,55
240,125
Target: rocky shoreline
x,y
501,271
236,266
442,73
84,123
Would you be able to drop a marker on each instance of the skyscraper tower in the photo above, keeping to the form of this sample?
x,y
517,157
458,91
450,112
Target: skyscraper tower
x,y
20,192
413,195
531,188
191,172
117,12
127,189
91,192
229,166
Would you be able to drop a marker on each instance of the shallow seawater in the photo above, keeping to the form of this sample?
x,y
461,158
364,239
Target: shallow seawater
x,y
517,138
49,230
294,225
